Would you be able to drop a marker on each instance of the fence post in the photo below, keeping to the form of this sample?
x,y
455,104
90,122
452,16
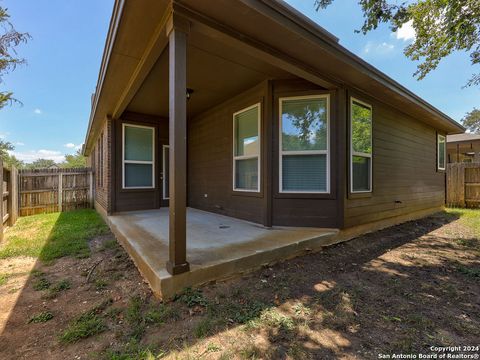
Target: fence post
x,y
90,190
13,196
60,192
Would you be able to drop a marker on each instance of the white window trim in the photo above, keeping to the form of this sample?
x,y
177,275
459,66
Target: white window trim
x,y
246,157
281,152
164,169
440,136
124,125
361,154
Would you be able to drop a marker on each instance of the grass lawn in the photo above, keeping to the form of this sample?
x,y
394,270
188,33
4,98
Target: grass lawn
x,y
470,218
400,290
51,236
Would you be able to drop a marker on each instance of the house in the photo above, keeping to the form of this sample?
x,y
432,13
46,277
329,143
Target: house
x,y
463,148
228,134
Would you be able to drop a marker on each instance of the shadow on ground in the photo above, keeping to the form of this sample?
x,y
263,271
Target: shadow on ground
x,y
401,290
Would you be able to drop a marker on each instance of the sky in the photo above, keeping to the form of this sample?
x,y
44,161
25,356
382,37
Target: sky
x,y
68,37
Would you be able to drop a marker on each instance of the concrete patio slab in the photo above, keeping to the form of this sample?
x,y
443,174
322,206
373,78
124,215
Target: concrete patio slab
x,y
218,246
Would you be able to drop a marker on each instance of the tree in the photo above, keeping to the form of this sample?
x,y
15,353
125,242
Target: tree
x,y
74,160
472,121
441,27
40,164
9,160
9,40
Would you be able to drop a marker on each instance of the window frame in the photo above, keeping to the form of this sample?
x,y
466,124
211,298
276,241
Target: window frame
x,y
360,154
281,152
439,168
247,157
152,162
164,169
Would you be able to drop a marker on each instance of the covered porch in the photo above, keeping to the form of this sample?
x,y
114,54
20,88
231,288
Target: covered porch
x,y
217,246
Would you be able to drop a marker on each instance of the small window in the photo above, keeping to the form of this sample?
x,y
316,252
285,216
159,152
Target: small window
x,y
304,144
246,149
138,157
360,147
441,152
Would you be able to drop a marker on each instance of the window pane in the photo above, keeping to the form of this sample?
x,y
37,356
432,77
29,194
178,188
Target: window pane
x,y
441,152
304,124
246,132
246,174
304,173
166,175
138,175
138,143
361,128
361,173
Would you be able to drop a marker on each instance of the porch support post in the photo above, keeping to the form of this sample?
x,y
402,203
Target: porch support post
x,y
177,33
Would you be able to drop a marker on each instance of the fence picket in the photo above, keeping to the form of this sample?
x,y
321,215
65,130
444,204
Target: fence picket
x,y
52,190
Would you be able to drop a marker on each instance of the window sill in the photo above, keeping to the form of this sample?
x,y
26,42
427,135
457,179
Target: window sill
x,y
127,190
360,195
247,193
324,196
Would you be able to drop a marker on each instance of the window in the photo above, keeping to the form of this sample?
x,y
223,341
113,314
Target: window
x,y
166,172
304,144
100,161
246,149
441,152
138,157
360,147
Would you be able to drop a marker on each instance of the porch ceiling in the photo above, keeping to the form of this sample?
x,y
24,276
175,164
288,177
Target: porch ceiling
x,y
215,72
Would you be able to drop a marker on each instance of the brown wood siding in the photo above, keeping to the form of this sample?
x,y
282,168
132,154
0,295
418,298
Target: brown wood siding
x,y
405,178
210,151
317,210
140,199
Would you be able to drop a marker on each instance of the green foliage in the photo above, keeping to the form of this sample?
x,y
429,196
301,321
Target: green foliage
x,y
131,351
87,324
41,317
192,297
472,121
135,318
361,129
9,40
469,271
76,160
51,236
40,164
441,26
41,283
308,124
161,313
9,160
4,278
56,289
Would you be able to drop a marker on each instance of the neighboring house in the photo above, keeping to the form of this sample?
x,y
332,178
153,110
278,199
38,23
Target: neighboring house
x,y
463,148
249,109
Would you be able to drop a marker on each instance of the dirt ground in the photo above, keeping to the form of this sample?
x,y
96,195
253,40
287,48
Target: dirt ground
x,y
399,290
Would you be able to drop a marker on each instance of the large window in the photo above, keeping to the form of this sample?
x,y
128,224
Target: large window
x,y
138,157
441,151
360,146
246,149
304,144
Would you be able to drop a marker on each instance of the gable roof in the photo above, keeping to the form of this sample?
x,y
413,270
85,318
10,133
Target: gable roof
x,y
314,51
463,137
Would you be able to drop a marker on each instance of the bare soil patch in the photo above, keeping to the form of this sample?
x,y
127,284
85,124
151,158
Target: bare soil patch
x,y
399,290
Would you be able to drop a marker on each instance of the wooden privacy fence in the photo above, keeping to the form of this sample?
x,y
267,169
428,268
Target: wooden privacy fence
x,y
9,208
52,190
463,185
